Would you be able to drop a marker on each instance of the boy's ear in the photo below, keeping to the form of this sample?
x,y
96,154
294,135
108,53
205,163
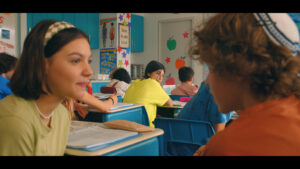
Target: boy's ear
x,y
192,78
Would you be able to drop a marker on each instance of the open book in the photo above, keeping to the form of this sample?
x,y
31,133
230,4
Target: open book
x,y
93,136
121,105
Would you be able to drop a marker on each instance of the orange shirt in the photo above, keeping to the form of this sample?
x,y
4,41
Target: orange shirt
x,y
268,129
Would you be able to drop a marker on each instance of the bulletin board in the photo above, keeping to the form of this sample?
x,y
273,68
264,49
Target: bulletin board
x,y
108,60
8,34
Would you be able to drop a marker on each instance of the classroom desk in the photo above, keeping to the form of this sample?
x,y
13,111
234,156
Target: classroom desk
x,y
145,145
136,113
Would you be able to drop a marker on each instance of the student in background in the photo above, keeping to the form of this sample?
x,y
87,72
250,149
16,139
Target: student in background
x,y
7,69
54,64
186,76
120,79
82,110
148,90
254,70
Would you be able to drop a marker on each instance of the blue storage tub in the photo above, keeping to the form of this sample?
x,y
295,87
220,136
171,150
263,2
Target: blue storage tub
x,y
182,137
137,114
97,85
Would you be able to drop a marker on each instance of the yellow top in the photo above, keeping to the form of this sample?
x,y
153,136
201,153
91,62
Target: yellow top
x,y
22,132
147,92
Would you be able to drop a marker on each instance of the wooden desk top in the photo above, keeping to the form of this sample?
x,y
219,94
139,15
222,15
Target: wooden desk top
x,y
172,107
144,136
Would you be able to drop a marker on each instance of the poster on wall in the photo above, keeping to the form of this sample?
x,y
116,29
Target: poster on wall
x,y
7,41
107,33
124,36
108,60
8,24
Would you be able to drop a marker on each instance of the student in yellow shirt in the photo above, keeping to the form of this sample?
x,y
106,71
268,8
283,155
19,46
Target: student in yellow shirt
x,y
54,64
148,90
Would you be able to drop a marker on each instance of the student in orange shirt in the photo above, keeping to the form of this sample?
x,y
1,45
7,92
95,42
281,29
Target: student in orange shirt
x,y
254,70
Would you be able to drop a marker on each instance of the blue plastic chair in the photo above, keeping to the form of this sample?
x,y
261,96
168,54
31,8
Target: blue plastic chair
x,y
182,137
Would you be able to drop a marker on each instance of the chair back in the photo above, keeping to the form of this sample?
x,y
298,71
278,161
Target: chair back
x,y
182,137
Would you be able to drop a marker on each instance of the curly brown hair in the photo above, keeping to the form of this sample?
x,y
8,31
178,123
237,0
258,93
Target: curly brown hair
x,y
235,44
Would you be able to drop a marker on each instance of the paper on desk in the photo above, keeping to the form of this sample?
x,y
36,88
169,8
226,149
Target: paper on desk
x,y
102,95
121,105
178,103
88,135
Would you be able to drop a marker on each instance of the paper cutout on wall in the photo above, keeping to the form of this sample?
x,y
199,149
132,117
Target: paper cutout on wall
x,y
108,60
119,49
120,63
126,62
124,54
171,43
127,15
170,80
185,35
180,62
167,60
121,17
